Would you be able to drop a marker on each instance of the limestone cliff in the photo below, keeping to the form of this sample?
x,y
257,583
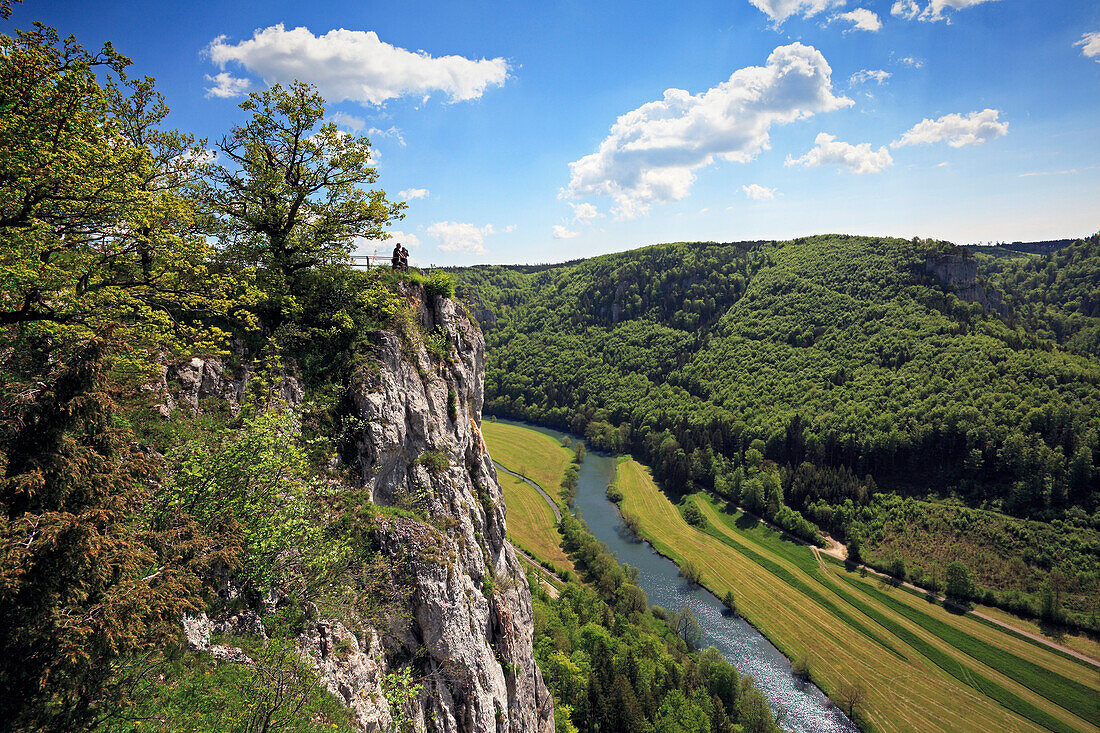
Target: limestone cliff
x,y
420,442
417,444
961,273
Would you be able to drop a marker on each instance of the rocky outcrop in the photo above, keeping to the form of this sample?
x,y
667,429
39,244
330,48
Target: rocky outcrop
x,y
189,383
420,446
470,624
961,273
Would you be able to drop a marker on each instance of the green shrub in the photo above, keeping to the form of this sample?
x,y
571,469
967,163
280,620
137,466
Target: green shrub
x,y
440,283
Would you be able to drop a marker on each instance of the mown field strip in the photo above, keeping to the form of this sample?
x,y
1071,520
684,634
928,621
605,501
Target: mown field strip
x,y
1078,698
901,695
998,673
531,522
1078,642
529,453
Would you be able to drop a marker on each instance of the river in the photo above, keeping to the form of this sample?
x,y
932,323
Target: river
x,y
806,708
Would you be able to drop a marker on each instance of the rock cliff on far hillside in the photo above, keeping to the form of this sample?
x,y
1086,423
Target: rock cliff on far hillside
x,y
961,273
472,626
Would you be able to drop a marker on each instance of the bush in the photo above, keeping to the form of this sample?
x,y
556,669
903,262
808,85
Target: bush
x,y
691,573
440,283
694,516
614,494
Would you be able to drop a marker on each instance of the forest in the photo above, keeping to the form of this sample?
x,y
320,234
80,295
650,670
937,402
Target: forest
x,y
811,380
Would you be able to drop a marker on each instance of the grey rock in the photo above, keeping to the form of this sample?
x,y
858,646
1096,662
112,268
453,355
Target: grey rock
x,y
477,662
197,630
231,654
352,673
244,623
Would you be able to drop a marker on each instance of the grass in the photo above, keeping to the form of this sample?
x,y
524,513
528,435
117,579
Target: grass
x,y
531,523
915,680
1080,642
529,453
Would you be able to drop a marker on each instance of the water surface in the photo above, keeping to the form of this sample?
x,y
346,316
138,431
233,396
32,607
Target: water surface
x,y
806,709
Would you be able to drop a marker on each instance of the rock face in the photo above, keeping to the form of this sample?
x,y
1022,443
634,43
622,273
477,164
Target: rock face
x,y
962,274
420,447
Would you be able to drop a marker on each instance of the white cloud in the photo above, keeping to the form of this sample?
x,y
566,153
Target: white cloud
x,y
780,10
1090,45
561,232
756,192
351,122
859,159
356,65
932,11
861,19
956,130
226,85
413,193
652,152
457,236
910,61
865,75
585,213
509,229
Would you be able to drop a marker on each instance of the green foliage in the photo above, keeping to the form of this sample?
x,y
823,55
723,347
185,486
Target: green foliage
x,y
693,515
400,689
1054,296
614,494
837,351
289,196
256,482
612,664
730,602
278,692
85,585
957,582
691,573
434,462
97,230
440,283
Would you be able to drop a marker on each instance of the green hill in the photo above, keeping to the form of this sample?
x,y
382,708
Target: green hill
x,y
853,364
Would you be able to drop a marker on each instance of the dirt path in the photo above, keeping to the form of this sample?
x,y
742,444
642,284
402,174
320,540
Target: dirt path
x,y
550,589
553,504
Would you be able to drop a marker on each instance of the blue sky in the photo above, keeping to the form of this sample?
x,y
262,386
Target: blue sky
x,y
543,132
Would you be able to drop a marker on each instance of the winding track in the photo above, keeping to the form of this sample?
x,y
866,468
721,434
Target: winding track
x,y
553,504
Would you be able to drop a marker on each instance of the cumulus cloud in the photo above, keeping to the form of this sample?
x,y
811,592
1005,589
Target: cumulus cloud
x,y
1090,45
413,193
956,130
585,213
226,85
780,10
910,61
561,232
865,75
653,152
509,229
861,19
858,159
756,192
457,236
350,122
932,11
357,65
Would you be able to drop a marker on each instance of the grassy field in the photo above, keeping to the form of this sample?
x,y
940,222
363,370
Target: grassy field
x,y
922,668
529,453
531,523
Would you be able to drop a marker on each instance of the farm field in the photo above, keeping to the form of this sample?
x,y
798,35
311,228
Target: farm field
x,y
921,667
531,523
1078,642
529,453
